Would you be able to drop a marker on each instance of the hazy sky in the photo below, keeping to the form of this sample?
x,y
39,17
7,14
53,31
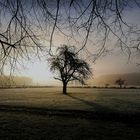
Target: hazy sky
x,y
114,62
110,64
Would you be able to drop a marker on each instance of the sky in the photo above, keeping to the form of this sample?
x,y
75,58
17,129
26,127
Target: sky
x,y
115,62
110,64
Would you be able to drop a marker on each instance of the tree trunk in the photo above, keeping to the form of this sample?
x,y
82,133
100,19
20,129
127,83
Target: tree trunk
x,y
120,86
64,88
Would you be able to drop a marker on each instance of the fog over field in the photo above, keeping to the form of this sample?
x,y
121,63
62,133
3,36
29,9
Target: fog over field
x,y
131,79
8,81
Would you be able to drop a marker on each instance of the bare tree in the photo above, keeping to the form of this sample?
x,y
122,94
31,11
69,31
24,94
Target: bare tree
x,y
120,82
22,24
107,85
69,66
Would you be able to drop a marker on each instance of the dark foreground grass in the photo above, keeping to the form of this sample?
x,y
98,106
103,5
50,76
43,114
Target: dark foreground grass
x,y
84,114
25,125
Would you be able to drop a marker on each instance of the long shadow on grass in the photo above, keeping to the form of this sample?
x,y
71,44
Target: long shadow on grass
x,y
105,113
98,112
94,106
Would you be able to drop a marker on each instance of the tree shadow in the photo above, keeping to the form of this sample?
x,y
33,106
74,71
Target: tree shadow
x,y
97,111
106,113
95,106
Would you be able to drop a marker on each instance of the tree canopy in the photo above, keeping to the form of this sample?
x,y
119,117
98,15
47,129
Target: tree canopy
x,y
120,82
69,66
24,24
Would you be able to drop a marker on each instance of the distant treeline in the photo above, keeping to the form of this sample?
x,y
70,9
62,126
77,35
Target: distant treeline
x,y
13,81
131,80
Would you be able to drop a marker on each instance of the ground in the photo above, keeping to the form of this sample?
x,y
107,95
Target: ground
x,y
85,113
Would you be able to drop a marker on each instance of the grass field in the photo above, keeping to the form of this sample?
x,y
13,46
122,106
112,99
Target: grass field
x,y
127,100
19,122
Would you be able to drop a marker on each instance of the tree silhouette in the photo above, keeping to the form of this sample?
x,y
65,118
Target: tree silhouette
x,y
106,85
22,23
120,82
69,66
